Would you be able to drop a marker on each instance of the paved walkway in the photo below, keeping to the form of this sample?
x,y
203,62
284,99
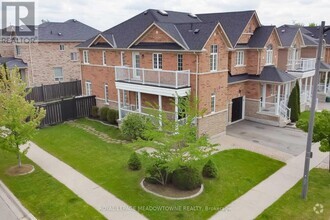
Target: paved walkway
x,y
10,207
255,201
103,201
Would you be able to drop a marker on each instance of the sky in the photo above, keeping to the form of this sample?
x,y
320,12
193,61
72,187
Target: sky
x,y
104,14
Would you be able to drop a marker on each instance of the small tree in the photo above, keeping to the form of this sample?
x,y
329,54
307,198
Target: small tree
x,y
176,143
321,130
293,104
19,118
134,162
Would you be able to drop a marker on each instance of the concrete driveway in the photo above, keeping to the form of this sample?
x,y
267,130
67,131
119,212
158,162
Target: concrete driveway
x,y
288,140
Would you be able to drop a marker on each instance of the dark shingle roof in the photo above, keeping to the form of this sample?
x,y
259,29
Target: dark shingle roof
x,y
260,36
161,46
315,31
12,62
287,34
268,74
232,22
70,30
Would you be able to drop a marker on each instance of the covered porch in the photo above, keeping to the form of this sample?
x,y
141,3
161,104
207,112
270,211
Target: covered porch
x,y
324,83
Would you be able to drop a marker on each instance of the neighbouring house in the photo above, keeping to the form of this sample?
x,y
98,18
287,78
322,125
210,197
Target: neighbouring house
x,y
53,57
230,61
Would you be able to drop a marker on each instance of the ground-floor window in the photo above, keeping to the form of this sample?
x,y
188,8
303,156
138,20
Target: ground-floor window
x,y
106,93
88,85
58,74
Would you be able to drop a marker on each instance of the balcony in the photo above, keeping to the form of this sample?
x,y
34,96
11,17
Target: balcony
x,y
301,65
151,77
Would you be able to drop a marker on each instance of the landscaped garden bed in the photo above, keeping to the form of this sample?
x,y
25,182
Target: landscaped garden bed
x,y
106,164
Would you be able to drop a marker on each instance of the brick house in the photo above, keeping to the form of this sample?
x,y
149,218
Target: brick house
x,y
229,61
53,57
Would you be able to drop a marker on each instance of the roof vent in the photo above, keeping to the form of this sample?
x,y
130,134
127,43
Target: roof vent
x,y
162,12
21,28
51,32
196,31
312,35
74,20
145,12
59,34
283,30
192,15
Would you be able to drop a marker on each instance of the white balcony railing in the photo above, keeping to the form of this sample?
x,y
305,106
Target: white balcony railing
x,y
301,65
162,78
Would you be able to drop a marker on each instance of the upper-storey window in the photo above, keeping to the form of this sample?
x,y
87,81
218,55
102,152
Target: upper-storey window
x,y
214,58
158,61
86,56
104,58
269,55
180,62
74,56
18,50
122,58
61,47
240,58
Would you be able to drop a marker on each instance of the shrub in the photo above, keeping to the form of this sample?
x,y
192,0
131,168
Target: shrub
x,y
95,111
104,113
133,126
293,104
112,116
157,174
210,170
186,178
134,162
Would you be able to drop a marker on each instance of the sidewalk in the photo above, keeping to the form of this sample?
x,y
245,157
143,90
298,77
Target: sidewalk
x,y
107,204
10,207
255,201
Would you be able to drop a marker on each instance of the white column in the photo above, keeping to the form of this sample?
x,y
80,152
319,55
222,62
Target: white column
x,y
119,111
326,83
310,87
278,99
160,108
139,102
286,91
300,85
176,107
243,111
264,94
306,81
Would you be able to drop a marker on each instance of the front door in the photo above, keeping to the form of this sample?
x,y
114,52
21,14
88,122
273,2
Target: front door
x,y
237,109
136,65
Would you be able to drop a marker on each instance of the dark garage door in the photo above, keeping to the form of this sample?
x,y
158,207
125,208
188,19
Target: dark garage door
x,y
237,109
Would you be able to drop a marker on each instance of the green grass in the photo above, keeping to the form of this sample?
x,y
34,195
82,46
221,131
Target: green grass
x,y
106,164
42,195
291,206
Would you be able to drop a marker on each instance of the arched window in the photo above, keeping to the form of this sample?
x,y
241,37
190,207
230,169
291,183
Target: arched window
x,y
269,55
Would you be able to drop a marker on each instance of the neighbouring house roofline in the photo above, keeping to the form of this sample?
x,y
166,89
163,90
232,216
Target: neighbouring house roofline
x,y
98,36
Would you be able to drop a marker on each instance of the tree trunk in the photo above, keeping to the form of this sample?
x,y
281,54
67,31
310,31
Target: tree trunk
x,y
19,159
329,161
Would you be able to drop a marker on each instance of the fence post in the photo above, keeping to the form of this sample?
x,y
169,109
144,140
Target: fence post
x,y
43,93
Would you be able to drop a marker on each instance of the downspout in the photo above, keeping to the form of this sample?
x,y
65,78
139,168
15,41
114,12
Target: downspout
x,y
258,67
31,63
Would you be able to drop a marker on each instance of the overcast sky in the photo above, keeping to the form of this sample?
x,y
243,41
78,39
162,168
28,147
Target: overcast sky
x,y
103,14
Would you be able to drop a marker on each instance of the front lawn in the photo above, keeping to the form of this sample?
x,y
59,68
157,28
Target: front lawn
x,y
291,206
42,195
106,164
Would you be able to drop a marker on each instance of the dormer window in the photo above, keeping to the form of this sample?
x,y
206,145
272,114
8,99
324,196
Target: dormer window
x,y
269,55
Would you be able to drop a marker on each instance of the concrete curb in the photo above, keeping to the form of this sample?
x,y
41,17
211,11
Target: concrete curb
x,y
14,204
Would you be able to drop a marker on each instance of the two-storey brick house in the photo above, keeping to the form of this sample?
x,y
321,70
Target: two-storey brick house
x,y
53,57
227,60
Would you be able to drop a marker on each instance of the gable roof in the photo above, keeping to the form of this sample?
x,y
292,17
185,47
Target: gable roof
x,y
233,23
287,34
70,30
261,36
315,31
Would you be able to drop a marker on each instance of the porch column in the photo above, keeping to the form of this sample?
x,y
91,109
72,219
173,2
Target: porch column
x,y
300,85
326,82
119,111
278,100
160,108
306,81
310,87
264,94
176,107
286,91
139,102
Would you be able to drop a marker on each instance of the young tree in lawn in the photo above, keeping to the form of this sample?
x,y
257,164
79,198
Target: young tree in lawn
x,y
321,130
18,118
176,143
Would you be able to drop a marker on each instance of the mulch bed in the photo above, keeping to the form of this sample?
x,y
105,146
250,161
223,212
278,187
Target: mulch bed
x,y
18,171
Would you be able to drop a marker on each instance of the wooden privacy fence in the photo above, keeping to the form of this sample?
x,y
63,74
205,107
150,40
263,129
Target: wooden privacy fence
x,y
69,109
46,93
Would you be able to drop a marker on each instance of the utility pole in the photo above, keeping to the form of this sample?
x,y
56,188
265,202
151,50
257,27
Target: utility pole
x,y
316,77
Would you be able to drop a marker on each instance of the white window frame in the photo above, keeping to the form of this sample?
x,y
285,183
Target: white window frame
x,y
104,58
214,58
88,86
213,102
18,50
106,93
85,56
125,98
180,62
122,58
58,78
74,56
62,47
157,61
269,55
240,58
